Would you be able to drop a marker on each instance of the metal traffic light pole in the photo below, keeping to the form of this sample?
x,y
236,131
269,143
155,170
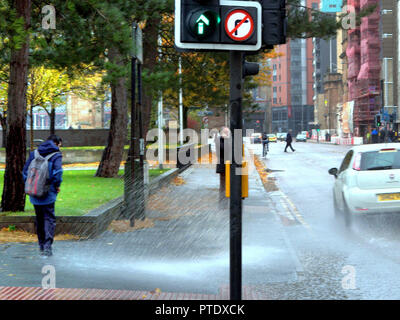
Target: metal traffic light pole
x,y
236,179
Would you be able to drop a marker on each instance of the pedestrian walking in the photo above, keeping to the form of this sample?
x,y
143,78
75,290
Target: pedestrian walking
x,y
289,141
265,144
391,136
222,143
42,175
382,134
374,136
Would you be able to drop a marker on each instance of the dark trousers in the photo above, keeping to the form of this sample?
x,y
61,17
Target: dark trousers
x,y
289,144
45,225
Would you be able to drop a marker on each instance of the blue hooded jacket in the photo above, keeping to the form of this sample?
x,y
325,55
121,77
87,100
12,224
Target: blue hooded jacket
x,y
55,172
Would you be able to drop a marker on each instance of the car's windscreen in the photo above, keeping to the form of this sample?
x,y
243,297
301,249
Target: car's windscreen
x,y
380,160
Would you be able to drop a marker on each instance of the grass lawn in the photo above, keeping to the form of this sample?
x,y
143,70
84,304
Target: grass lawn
x,y
82,192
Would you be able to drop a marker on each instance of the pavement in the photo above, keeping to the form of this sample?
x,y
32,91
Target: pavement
x,y
183,254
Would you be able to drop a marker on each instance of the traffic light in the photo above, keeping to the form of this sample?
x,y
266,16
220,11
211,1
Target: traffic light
x,y
274,22
201,19
378,120
250,68
218,25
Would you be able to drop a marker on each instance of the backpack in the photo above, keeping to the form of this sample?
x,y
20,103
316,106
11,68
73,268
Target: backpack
x,y
38,175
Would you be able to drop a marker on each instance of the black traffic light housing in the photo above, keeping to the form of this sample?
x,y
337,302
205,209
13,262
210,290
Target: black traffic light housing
x,y
274,22
201,19
249,68
213,25
378,121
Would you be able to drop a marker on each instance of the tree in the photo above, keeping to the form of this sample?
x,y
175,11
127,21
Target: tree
x,y
47,89
98,33
13,198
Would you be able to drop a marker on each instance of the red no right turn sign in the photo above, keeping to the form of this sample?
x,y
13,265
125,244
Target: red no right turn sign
x,y
239,25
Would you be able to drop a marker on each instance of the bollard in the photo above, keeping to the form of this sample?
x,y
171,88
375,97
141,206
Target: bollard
x,y
245,179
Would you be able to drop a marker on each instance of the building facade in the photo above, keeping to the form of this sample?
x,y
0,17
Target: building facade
x,y
292,89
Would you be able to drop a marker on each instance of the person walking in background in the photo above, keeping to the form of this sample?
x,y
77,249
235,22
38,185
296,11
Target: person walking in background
x,y
42,175
374,136
265,144
289,141
368,138
391,136
382,134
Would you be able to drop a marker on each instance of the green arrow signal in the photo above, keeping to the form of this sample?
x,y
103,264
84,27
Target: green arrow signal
x,y
200,24
203,19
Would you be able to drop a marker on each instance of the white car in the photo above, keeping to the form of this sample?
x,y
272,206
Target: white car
x,y
368,181
301,137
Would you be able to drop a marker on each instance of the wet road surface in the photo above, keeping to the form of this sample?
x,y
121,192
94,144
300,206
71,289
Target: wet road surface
x,y
360,263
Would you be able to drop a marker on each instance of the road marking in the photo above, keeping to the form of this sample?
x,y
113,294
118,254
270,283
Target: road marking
x,y
296,212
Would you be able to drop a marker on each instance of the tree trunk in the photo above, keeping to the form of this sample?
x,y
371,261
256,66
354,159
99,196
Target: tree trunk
x,y
3,122
13,191
112,155
53,121
150,47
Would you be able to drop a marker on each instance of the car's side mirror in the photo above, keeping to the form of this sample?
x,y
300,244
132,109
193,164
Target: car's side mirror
x,y
333,171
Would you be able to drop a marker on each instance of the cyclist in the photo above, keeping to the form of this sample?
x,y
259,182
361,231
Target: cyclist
x,y
265,144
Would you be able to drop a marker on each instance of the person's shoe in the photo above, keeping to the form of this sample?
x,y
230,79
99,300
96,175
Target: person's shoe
x,y
285,151
47,252
294,150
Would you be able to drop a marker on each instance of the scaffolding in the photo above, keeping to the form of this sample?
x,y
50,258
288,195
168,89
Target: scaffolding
x,y
364,66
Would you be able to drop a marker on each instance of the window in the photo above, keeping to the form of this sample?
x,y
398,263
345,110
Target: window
x,y
346,161
296,99
296,52
296,76
274,78
275,101
376,160
274,89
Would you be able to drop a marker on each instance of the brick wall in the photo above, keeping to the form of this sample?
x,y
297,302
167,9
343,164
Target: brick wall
x,y
73,137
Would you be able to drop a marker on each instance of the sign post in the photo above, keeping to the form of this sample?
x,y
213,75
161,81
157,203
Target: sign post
x,y
136,155
235,207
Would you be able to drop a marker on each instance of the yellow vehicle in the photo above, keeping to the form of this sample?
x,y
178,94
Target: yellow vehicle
x,y
272,137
